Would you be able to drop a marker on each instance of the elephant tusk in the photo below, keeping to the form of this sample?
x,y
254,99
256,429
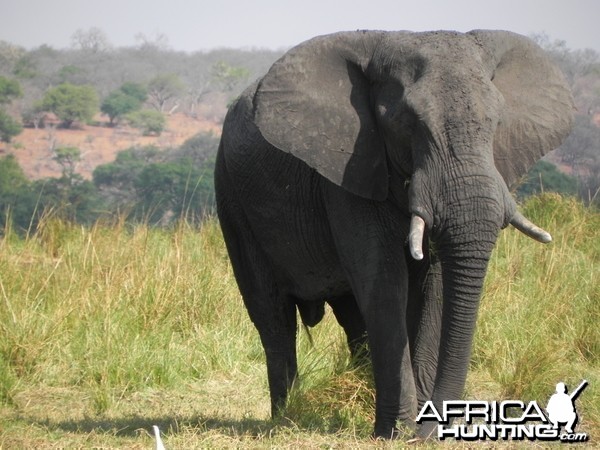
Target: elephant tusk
x,y
415,237
526,227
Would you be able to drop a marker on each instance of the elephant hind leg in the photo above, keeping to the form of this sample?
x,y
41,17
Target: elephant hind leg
x,y
280,351
345,310
273,314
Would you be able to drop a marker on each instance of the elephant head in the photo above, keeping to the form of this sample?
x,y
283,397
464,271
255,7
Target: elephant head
x,y
441,123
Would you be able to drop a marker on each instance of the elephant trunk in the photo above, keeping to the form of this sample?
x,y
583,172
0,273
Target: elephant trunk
x,y
464,265
464,252
465,222
464,203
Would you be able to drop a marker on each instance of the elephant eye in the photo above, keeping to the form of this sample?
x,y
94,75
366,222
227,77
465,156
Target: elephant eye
x,y
404,119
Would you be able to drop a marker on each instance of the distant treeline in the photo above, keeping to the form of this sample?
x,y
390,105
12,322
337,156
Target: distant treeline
x,y
144,184
93,62
139,85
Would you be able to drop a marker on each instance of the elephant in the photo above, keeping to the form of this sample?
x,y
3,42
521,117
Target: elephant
x,y
370,170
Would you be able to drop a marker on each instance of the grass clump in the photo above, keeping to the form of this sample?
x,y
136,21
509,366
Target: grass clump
x,y
333,395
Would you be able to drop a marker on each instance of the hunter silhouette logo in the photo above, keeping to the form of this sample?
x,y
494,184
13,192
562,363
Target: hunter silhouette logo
x,y
561,406
508,419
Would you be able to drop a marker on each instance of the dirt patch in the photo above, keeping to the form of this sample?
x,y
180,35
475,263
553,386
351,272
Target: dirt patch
x,y
34,148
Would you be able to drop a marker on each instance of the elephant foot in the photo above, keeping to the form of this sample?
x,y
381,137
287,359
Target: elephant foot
x,y
387,434
426,430
405,431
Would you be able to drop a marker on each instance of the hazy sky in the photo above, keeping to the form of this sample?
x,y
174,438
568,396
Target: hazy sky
x,y
192,25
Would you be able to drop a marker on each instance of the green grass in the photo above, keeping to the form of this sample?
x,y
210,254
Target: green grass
x,y
105,331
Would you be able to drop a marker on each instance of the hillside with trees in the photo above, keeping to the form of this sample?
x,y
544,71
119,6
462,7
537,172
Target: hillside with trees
x,y
579,155
96,130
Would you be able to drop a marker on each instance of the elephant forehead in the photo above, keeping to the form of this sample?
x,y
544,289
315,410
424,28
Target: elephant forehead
x,y
434,48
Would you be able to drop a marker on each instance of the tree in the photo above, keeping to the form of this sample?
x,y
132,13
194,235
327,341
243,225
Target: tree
x,y
115,181
156,43
118,104
9,90
9,127
173,190
71,74
135,90
93,40
159,185
25,68
164,88
76,200
14,194
129,97
67,158
9,54
71,103
581,151
150,121
229,76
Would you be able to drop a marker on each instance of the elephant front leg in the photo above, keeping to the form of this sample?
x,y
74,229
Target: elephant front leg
x,y
369,238
381,293
395,399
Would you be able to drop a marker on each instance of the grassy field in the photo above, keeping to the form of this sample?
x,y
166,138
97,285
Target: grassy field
x,y
106,331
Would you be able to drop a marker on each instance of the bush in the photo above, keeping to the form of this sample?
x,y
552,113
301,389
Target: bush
x,y
149,121
15,198
9,127
118,104
135,90
71,103
22,203
9,90
545,177
126,99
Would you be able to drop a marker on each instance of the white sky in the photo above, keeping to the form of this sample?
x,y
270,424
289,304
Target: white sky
x,y
192,25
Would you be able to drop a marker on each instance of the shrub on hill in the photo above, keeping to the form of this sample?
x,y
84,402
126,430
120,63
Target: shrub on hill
x,y
545,177
71,103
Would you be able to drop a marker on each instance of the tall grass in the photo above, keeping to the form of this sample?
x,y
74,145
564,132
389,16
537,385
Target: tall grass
x,y
539,321
113,309
105,330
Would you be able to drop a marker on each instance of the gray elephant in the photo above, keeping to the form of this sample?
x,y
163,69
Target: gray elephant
x,y
369,170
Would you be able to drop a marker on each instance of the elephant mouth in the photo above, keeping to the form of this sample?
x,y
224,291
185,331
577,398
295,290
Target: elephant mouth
x,y
519,221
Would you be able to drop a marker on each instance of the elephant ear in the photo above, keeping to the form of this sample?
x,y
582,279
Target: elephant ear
x,y
315,104
539,108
